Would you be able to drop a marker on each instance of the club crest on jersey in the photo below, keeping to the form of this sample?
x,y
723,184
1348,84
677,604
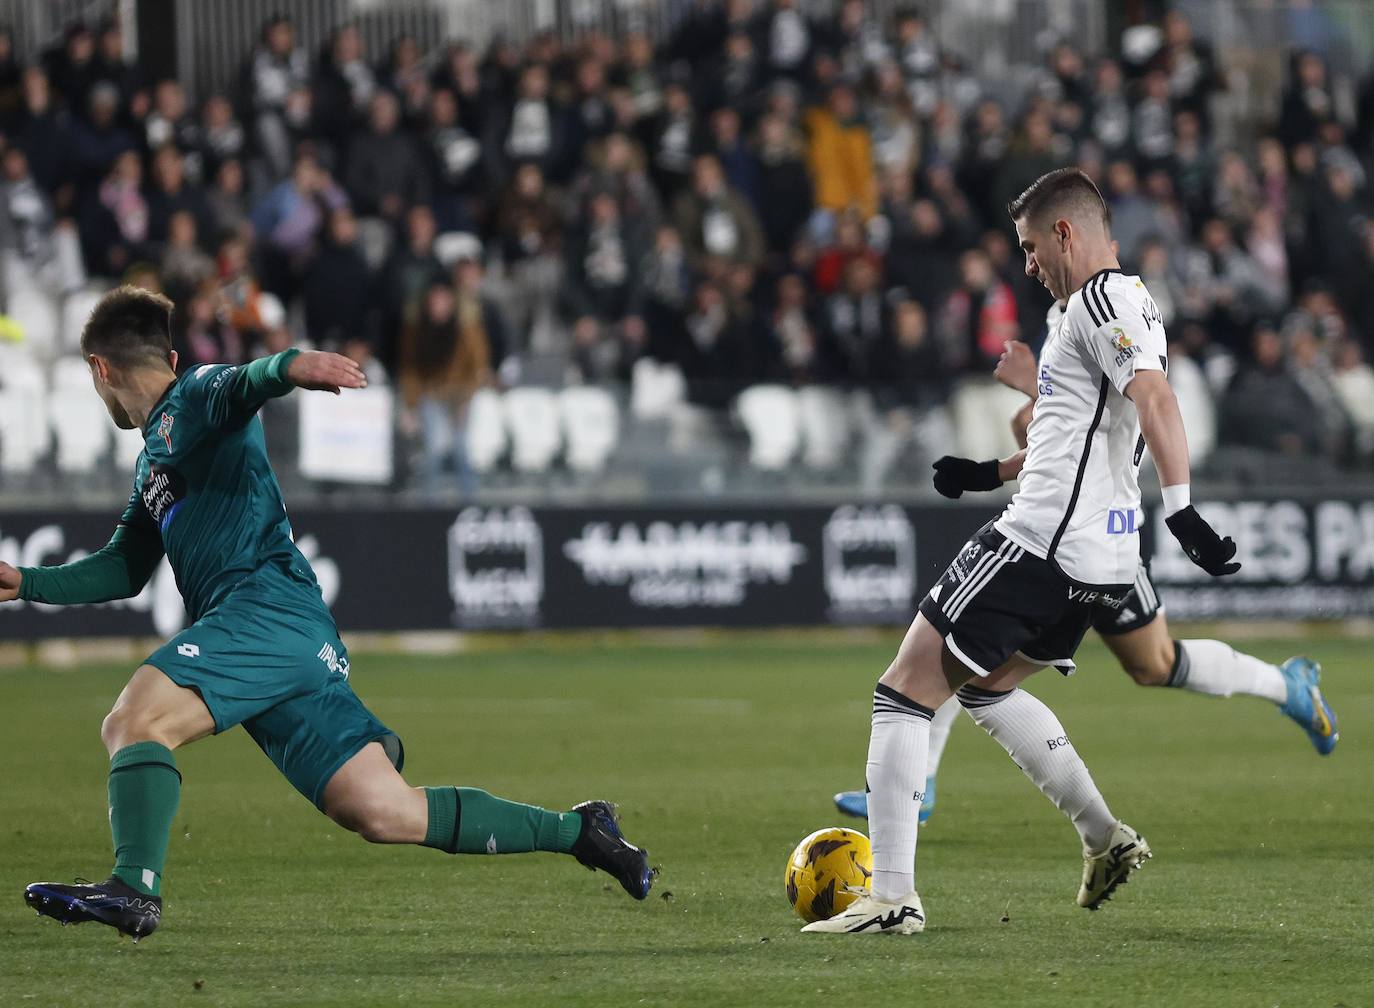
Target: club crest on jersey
x,y
1125,348
164,429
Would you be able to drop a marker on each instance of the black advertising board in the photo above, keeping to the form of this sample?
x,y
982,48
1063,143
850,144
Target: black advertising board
x,y
510,567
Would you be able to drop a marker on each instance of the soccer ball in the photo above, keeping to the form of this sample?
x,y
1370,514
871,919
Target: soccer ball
x,y
829,870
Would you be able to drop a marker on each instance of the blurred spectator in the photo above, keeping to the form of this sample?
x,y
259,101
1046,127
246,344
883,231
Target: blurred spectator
x,y
169,122
221,135
736,158
1152,122
718,355
170,193
1194,163
241,301
11,74
343,86
1311,368
855,323
337,291
602,295
455,160
44,134
786,37
717,226
529,239
976,322
277,86
532,131
385,173
226,201
199,333
1338,215
671,140
408,272
110,65
840,155
185,268
445,357
1227,287
99,139
1190,65
667,286
792,328
287,219
114,218
784,187
72,67
1155,268
1307,103
920,256
848,245
732,81
614,165
1265,407
893,127
40,250
1236,195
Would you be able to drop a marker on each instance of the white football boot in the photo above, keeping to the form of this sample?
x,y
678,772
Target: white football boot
x,y
871,916
1110,867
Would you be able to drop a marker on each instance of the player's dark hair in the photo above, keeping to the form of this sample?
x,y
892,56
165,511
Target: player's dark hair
x,y
130,327
1061,189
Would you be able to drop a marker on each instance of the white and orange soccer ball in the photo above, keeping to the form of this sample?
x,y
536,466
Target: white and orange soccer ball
x,y
829,870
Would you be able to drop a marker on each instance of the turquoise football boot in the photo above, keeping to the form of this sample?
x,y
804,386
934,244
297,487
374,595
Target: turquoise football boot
x,y
1307,706
855,803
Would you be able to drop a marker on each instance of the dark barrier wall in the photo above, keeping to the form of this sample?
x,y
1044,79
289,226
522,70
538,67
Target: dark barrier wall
x,y
512,567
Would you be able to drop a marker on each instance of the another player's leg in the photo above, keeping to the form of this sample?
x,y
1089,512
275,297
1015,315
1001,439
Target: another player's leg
x,y
368,796
855,803
152,717
1036,741
1152,658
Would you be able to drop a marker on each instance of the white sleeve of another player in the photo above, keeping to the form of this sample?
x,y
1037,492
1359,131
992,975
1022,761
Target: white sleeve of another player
x,y
1127,345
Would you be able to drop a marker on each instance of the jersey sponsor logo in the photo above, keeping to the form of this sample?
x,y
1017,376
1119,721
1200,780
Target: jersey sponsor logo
x,y
1124,521
163,493
223,376
188,650
164,429
205,369
1045,385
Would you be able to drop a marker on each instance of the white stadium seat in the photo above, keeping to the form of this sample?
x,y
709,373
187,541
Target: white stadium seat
x,y
24,432
825,425
591,425
532,420
36,315
76,309
72,373
82,425
772,419
486,431
128,443
655,389
18,369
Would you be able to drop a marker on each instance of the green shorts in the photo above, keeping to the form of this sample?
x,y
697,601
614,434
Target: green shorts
x,y
269,657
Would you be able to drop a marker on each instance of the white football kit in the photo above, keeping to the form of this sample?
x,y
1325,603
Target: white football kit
x,y
1078,500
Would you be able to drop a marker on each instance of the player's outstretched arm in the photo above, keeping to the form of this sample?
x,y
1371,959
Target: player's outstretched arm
x,y
324,372
1162,425
117,570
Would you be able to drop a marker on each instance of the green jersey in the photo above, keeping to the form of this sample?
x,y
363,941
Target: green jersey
x,y
204,493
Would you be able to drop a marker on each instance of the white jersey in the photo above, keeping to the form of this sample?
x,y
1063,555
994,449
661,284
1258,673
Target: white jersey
x,y
1078,503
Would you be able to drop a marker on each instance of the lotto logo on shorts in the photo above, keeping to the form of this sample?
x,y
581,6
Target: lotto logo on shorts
x,y
188,650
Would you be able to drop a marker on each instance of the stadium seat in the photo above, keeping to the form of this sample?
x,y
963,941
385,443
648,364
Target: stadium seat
x,y
824,415
772,419
655,388
1195,405
128,443
591,425
76,309
71,373
486,432
24,431
82,426
36,315
18,369
532,419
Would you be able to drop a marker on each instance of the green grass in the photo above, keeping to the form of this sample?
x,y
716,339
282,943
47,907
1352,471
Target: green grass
x,y
723,755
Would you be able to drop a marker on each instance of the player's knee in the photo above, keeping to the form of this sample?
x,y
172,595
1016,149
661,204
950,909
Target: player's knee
x,y
371,818
124,726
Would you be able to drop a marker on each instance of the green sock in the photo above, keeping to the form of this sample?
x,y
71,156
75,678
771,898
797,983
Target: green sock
x,y
145,787
470,821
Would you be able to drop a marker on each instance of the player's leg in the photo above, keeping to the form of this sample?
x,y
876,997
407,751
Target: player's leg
x,y
855,803
337,754
1138,635
152,717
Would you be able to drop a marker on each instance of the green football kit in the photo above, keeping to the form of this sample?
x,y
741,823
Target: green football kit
x,y
262,649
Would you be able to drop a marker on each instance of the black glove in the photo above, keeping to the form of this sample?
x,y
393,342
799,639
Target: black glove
x,y
955,475
1200,541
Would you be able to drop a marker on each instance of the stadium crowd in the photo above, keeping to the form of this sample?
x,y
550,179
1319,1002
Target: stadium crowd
x,y
758,197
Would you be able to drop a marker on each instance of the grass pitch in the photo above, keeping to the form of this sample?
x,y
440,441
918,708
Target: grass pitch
x,y
723,754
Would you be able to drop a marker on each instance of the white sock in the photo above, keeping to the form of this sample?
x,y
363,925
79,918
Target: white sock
x,y
1209,666
945,716
1034,738
896,779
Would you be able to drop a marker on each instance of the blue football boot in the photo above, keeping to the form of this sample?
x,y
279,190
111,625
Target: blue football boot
x,y
855,803
110,902
603,846
1307,706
